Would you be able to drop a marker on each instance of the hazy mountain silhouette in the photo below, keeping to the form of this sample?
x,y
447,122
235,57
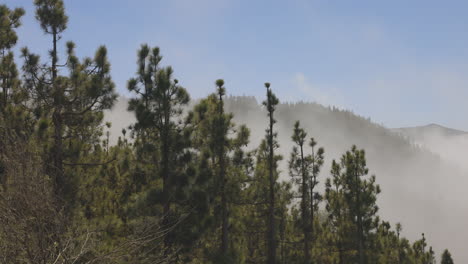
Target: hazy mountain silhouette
x,y
431,128
450,144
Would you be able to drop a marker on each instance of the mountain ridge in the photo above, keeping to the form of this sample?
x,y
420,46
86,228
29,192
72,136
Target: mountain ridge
x,y
433,127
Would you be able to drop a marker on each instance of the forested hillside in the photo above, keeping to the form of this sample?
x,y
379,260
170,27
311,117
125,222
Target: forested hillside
x,y
219,180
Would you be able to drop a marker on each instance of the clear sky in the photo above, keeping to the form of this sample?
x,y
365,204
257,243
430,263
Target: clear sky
x,y
400,62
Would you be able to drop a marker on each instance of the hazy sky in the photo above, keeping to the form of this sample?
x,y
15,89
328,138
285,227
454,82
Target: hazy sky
x,y
400,62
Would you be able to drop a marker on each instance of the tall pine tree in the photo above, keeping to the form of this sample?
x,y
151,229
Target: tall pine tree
x,y
10,20
361,196
220,143
304,169
270,104
299,167
446,258
161,137
70,105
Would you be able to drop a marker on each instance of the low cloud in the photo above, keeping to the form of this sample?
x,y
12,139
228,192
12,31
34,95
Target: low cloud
x,y
312,92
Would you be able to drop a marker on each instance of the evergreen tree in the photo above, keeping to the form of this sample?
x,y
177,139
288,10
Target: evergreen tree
x,y
272,144
351,201
304,169
361,195
257,205
71,105
10,20
163,142
421,254
220,144
339,220
299,166
446,258
221,139
317,160
384,245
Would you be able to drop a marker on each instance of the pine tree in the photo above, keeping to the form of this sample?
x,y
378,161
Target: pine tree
x,y
221,134
257,205
158,110
299,166
339,221
399,249
361,195
446,258
421,254
317,160
304,169
270,105
72,105
224,145
220,144
10,20
351,203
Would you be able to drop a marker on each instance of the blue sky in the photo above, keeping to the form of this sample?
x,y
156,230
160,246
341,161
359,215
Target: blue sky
x,y
399,62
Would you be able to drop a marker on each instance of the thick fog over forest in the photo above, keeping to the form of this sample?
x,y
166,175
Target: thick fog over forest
x,y
450,144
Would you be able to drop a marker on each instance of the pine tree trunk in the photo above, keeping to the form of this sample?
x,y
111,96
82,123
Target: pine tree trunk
x,y
222,172
57,148
271,210
312,205
311,226
57,153
5,92
305,217
359,221
58,126
225,225
166,205
165,176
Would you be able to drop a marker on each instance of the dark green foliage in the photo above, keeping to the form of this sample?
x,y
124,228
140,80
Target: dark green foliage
x,y
446,258
304,169
9,21
177,179
220,144
256,207
351,203
420,252
10,93
71,104
51,15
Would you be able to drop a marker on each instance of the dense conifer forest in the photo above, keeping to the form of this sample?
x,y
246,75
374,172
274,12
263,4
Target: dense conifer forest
x,y
180,185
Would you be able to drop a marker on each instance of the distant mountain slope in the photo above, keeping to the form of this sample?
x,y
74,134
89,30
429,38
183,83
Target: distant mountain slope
x,y
432,129
450,144
420,189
